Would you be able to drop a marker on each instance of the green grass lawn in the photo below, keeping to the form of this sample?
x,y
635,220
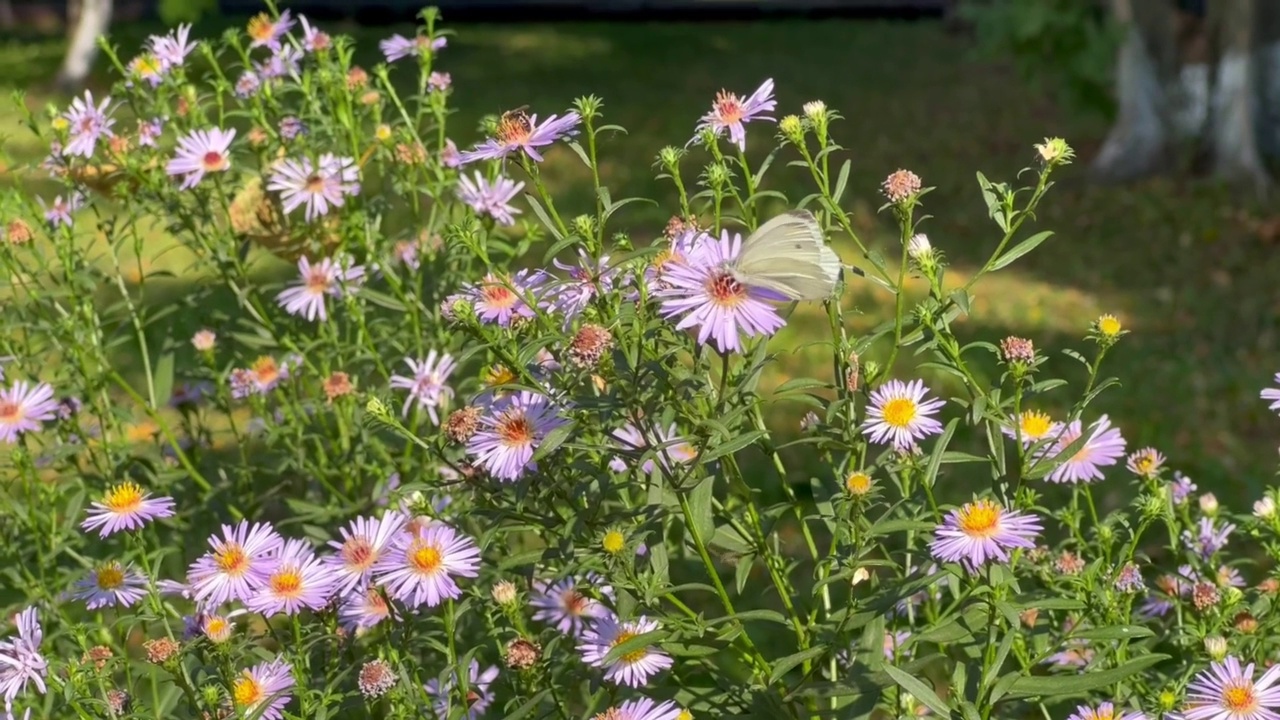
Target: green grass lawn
x,y
1179,261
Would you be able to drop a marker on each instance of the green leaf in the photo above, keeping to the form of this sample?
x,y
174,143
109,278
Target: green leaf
x,y
630,645
784,665
553,440
772,616
1115,632
931,474
529,706
917,688
542,215
889,527
732,446
1053,686
1021,249
162,380
842,181
700,508
381,299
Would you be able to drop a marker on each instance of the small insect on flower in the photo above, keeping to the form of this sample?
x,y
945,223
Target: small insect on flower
x,y
644,709
565,607
398,47
111,585
1104,447
981,531
490,198
899,414
730,112
239,563
327,278
262,690
363,543
265,31
1228,691
510,433
200,152
1273,394
478,698
298,581
23,407
1145,463
520,132
633,668
427,385
1104,711
21,663
86,124
319,186
420,568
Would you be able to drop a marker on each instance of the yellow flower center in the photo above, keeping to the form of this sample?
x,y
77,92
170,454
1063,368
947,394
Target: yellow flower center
x,y
1035,424
426,559
498,375
899,412
60,124
1238,697
286,582
217,628
630,658
230,559
980,519
110,576
123,498
1109,325
246,691
858,483
1145,464
614,542
265,370
146,66
261,27
684,715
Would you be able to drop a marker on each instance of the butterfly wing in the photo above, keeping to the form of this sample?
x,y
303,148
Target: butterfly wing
x,y
789,255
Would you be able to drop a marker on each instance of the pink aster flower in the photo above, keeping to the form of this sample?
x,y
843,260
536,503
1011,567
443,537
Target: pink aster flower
x,y
265,31
427,385
247,84
87,124
479,696
587,280
313,38
126,507
259,378
519,132
900,414
298,581
1104,447
729,112
200,152
449,156
981,531
643,709
1209,538
149,131
282,62
492,199
60,212
705,292
674,449
319,186
398,46
111,585
1228,691
439,81
326,278
364,541
1145,463
565,607
262,691
238,565
511,431
421,568
172,49
364,609
21,663
500,299
633,668
23,407
1273,394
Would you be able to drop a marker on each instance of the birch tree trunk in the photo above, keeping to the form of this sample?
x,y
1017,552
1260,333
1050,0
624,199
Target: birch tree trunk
x,y
1236,130
94,19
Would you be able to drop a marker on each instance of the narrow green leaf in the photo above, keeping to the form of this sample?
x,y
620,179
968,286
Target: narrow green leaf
x,y
784,665
1053,686
162,379
917,688
700,505
1021,249
630,645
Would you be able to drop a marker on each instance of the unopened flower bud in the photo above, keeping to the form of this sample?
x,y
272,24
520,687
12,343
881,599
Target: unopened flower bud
x,y
920,250
584,226
1209,504
382,132
792,128
1168,700
613,542
1054,151
816,111
858,483
1216,647
717,175
1107,328
204,340
670,156
1265,508
504,593
377,408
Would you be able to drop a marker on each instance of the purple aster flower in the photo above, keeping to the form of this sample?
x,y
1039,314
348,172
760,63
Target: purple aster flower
x,y
398,46
364,541
291,127
87,123
643,709
1104,447
247,84
125,507
1230,577
239,564
420,568
59,213
1228,691
492,199
1033,426
478,699
632,669
23,407
149,131
111,585
900,414
1145,463
326,278
439,81
706,292
172,49
406,252
1075,653
314,39
317,185
258,379
262,691
427,386
1210,538
565,607
1273,394
676,254
1129,580
1171,587
1105,711
187,394
729,112
298,581
511,431
587,280
200,152
265,31
1181,488
21,663
675,450
517,132
895,644
450,156
981,531
363,609
283,61
146,67
69,407
500,299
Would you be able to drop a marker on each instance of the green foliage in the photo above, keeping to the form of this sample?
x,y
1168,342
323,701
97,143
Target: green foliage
x,y
173,12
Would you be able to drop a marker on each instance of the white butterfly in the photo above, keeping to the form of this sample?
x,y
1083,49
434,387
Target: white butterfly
x,y
789,255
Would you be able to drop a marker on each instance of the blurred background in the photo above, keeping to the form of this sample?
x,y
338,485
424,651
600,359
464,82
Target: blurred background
x,y
1167,219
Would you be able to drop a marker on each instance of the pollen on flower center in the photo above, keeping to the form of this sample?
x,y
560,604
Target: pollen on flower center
x,y
610,714
260,27
728,107
1239,697
899,412
231,559
426,559
246,691
630,658
858,483
725,289
286,582
357,552
121,498
110,577
265,370
514,127
980,519
213,160
1035,424
515,430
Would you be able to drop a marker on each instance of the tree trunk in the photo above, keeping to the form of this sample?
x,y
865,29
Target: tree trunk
x,y
7,20
1235,130
95,17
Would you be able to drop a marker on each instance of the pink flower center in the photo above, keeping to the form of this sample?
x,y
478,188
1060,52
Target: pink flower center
x,y
728,107
498,296
358,553
10,412
315,183
214,161
318,280
575,603
725,290
515,430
